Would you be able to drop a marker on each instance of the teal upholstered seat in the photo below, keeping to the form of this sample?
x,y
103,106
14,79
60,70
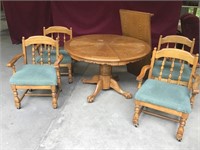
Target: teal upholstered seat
x,y
176,71
66,57
35,75
164,94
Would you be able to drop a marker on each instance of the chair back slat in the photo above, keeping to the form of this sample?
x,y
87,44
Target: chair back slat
x,y
161,69
41,55
183,47
175,45
51,35
167,45
33,54
177,54
49,53
58,36
64,38
171,70
181,72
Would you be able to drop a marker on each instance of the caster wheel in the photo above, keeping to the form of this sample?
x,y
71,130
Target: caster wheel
x,y
18,106
136,125
70,81
179,140
55,106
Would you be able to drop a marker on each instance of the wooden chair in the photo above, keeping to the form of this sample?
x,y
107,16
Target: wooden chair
x,y
41,76
164,94
63,34
136,24
179,42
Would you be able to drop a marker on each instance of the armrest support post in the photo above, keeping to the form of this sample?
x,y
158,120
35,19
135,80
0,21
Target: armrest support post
x,y
142,74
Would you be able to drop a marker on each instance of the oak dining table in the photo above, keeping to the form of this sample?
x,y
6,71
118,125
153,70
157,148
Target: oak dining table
x,y
106,50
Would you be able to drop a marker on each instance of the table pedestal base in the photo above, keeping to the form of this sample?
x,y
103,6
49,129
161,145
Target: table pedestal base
x,y
105,81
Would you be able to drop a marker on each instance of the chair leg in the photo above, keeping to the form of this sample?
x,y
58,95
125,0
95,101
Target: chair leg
x,y
192,99
136,115
179,134
16,98
54,97
70,80
59,82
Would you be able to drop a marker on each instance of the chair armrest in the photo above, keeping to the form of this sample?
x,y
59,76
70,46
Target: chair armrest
x,y
14,59
195,86
57,62
143,72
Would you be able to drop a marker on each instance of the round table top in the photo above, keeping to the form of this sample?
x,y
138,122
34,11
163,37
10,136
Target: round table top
x,y
107,49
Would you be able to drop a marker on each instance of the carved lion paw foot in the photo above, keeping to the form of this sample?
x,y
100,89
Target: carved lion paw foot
x,y
127,95
90,98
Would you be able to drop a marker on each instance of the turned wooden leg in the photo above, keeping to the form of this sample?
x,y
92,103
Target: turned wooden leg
x,y
180,131
116,87
94,79
136,115
70,80
192,100
16,98
54,97
59,79
99,87
59,84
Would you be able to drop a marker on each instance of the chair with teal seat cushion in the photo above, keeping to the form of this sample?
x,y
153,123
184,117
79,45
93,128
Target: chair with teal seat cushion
x,y
62,34
38,75
165,94
179,42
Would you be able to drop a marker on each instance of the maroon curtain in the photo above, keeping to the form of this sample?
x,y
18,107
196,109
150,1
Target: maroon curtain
x,y
26,18
87,17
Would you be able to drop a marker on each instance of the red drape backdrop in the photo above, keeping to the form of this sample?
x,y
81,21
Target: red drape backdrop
x,y
26,18
87,17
